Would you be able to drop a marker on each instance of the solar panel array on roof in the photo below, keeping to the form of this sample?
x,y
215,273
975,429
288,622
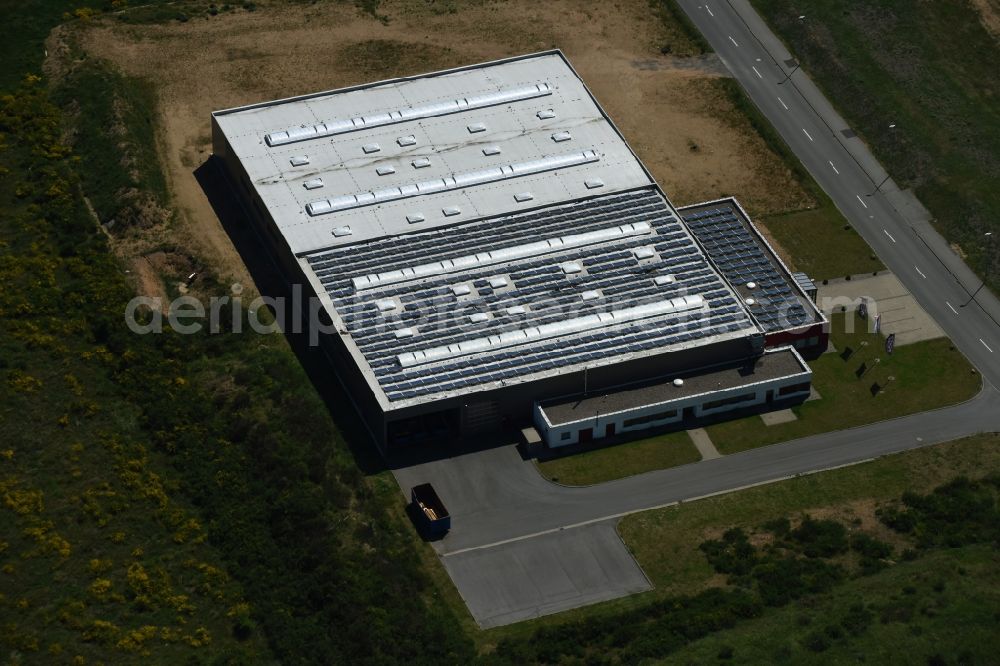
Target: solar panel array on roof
x,y
538,292
742,259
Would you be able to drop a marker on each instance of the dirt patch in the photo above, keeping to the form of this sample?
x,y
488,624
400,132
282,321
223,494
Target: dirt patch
x,y
148,282
663,104
989,15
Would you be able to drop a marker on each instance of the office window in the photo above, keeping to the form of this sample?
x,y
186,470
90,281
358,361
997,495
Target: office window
x,y
794,388
649,418
735,400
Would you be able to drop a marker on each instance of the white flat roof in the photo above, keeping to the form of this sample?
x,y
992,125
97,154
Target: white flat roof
x,y
523,133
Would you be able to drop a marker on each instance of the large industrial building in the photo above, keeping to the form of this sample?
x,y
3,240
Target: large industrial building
x,y
492,254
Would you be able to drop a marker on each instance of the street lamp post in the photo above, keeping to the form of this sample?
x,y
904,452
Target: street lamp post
x,y
886,179
789,75
988,234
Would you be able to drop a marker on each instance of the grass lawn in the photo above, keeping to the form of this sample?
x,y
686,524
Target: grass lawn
x,y
822,244
614,462
943,605
665,541
928,375
881,65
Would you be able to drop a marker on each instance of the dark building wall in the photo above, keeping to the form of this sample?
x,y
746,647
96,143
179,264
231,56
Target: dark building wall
x,y
514,405
335,348
800,339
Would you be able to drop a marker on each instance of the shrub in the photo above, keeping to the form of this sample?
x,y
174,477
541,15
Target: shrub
x,y
732,554
958,513
820,538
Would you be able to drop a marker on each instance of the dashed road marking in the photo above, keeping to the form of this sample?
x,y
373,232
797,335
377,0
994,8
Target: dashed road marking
x,y
863,202
887,233
951,306
709,9
756,72
783,103
834,168
733,41
986,345
807,133
921,272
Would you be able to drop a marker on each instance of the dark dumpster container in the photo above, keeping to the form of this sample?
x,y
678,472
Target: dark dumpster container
x,y
430,514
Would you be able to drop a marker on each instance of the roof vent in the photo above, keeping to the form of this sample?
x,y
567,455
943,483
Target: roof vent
x,y
478,317
571,267
559,137
371,148
498,282
521,197
407,140
299,160
475,128
516,310
643,252
420,163
451,211
501,255
491,150
413,218
750,301
678,382
453,182
591,295
661,280
676,307
545,114
593,183
405,114
386,304
406,332
342,231
385,170
751,285
461,289
313,184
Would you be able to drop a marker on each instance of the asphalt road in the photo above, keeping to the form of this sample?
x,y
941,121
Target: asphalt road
x,y
886,218
495,497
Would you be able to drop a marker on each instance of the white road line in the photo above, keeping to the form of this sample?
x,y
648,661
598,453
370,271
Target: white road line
x,y
985,345
921,272
863,202
887,233
709,9
756,72
951,306
807,133
614,516
783,103
733,40
834,168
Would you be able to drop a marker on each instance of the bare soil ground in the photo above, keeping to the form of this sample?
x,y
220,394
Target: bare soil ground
x,y
679,122
989,15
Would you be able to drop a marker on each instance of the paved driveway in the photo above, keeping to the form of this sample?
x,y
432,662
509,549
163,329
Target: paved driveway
x,y
523,579
514,535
